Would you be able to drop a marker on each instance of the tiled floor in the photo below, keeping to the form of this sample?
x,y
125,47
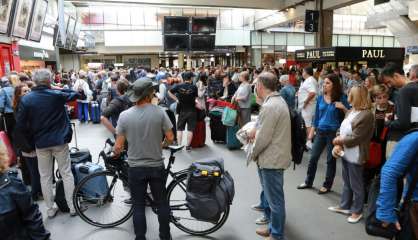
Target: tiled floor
x,y
307,214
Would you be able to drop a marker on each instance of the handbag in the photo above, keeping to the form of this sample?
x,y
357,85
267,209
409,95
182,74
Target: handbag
x,y
229,116
376,151
407,214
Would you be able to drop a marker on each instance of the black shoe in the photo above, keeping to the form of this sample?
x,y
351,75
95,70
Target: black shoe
x,y
188,148
128,201
304,186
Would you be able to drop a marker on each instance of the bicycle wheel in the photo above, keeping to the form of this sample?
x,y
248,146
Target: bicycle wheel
x,y
103,204
180,214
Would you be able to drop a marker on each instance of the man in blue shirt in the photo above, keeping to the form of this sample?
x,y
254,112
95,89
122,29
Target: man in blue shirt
x,y
287,92
394,169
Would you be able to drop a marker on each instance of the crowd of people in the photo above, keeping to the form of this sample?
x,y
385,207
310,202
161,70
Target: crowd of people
x,y
344,112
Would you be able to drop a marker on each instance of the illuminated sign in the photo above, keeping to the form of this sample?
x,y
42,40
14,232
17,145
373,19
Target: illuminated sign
x,y
373,53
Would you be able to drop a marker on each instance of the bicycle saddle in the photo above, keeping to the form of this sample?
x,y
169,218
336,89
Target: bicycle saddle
x,y
175,149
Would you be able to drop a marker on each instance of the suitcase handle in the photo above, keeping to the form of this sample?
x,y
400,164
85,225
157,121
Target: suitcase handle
x,y
84,169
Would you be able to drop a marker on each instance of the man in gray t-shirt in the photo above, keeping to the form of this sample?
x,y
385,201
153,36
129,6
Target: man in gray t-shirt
x,y
143,126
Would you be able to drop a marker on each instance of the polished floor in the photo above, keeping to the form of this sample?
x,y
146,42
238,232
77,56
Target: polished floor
x,y
307,214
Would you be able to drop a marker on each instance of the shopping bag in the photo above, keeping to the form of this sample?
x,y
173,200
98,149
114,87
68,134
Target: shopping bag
x,y
229,117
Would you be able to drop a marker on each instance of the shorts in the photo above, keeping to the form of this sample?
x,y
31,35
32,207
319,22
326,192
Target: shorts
x,y
307,115
189,118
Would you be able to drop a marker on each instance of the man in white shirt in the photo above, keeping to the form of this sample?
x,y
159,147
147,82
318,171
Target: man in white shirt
x,y
307,98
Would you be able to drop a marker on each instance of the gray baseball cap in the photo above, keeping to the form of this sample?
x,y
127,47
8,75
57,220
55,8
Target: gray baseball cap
x,y
140,89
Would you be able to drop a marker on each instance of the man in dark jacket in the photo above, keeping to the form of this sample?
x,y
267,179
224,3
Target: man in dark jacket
x,y
406,104
43,116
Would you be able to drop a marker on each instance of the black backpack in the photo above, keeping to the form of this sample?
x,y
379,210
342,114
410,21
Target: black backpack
x,y
298,137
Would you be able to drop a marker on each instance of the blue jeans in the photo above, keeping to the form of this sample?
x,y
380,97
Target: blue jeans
x,y
139,179
272,182
83,111
322,139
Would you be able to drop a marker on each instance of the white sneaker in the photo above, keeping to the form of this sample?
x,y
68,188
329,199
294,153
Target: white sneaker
x,y
262,221
354,220
73,213
52,212
309,144
339,210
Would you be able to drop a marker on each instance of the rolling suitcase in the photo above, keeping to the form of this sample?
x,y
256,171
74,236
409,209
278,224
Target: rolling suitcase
x,y
217,129
231,139
4,139
199,135
95,112
96,187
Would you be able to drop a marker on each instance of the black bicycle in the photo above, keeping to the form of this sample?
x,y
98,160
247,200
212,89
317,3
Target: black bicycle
x,y
111,205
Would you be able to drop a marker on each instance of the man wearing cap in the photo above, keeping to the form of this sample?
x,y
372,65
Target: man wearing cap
x,y
143,126
185,95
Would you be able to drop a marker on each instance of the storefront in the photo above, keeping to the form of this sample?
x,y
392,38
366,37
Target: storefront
x,y
6,63
35,58
351,56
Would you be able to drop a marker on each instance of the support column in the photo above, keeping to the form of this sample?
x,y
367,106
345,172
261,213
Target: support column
x,y
323,38
181,60
188,63
58,61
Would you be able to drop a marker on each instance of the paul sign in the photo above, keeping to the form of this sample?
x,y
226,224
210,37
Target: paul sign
x,y
373,53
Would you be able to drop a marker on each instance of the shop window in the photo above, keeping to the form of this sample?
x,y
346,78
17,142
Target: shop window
x,y
268,38
343,40
309,40
334,40
366,41
377,41
255,38
296,39
280,38
355,41
388,41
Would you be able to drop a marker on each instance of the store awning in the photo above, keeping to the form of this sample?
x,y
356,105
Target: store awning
x,y
351,54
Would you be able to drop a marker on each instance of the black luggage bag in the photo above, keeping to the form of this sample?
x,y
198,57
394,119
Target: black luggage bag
x,y
217,129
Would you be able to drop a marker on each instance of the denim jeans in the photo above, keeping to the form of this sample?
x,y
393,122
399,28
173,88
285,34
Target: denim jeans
x,y
35,179
83,111
272,182
263,201
139,179
322,139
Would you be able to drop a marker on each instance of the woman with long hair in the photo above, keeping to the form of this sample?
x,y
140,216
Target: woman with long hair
x,y
27,147
330,110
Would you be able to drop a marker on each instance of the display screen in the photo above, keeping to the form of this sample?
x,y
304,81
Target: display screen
x,y
176,25
176,42
203,42
204,25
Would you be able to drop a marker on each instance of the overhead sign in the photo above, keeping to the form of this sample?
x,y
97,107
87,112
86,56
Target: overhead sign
x,y
30,53
350,54
311,20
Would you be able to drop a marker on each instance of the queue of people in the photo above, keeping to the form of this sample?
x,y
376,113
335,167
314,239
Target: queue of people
x,y
343,112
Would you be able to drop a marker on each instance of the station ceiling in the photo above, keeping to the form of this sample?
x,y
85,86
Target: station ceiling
x,y
259,4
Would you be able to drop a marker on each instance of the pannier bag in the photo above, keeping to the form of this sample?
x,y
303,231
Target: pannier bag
x,y
209,190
